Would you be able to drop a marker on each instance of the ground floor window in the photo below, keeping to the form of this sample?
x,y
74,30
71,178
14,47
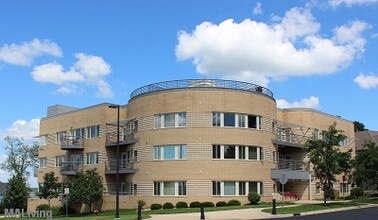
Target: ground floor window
x,y
126,188
170,188
317,188
344,188
233,188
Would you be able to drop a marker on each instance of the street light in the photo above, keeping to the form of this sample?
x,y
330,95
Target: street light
x,y
117,176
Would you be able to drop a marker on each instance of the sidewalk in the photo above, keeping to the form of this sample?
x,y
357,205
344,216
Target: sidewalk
x,y
246,214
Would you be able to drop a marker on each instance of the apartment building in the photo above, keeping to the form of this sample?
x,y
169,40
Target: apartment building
x,y
188,140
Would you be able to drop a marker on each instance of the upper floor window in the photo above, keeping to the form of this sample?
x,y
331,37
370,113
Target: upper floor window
x,y
236,120
170,120
77,133
59,161
60,136
43,140
93,131
92,158
170,152
237,152
42,162
344,141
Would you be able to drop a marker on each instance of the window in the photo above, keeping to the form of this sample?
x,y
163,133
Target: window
x,y
317,188
233,188
169,188
237,152
216,188
170,120
170,152
93,131
344,188
92,158
229,152
60,136
77,133
229,119
135,189
343,142
126,188
236,120
43,162
135,155
216,119
59,161
43,140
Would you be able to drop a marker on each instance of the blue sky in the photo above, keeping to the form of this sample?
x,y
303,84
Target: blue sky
x,y
317,54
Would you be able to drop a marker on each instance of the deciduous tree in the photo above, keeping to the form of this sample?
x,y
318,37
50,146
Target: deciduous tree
x,y
366,166
49,189
16,193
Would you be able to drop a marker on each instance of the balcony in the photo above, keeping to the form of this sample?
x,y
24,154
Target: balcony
x,y
290,139
69,168
124,167
125,138
72,143
292,170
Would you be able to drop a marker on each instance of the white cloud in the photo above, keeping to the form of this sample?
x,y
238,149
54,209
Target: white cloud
x,y
312,102
368,81
88,69
22,129
349,3
24,54
259,52
257,10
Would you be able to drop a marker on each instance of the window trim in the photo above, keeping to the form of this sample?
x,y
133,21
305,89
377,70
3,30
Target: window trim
x,y
219,153
219,189
179,152
92,156
159,188
159,120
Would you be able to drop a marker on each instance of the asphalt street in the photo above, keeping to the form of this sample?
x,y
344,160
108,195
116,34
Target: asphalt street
x,y
355,214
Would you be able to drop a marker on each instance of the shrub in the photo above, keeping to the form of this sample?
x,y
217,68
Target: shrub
x,y
208,204
254,198
56,210
234,202
71,210
168,205
195,204
291,195
356,192
156,206
221,203
43,207
180,205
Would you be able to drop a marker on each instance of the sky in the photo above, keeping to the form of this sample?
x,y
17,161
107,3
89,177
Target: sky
x,y
315,54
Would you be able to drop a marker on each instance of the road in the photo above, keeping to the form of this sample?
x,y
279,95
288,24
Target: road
x,y
355,214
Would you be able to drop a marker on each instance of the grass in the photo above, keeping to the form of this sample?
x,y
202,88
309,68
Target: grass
x,y
312,207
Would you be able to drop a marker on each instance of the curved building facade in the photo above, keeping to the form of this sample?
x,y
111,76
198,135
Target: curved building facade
x,y
186,140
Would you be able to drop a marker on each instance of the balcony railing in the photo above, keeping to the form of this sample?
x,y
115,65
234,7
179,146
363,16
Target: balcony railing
x,y
202,83
124,167
71,167
290,139
72,143
292,164
125,138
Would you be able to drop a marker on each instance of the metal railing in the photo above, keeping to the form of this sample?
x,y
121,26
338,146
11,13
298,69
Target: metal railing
x,y
123,165
71,166
202,83
291,138
293,164
128,136
72,142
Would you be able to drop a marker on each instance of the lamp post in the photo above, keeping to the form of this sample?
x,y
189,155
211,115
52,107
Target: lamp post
x,y
117,153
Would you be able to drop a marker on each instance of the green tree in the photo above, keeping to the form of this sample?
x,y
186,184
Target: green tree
x,y
326,157
20,156
49,189
358,126
86,187
366,166
16,193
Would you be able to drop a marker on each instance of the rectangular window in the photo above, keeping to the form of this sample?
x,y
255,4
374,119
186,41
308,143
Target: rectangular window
x,y
126,188
157,119
43,162
77,133
229,188
59,161
92,158
229,152
169,120
344,188
254,121
241,152
60,136
242,188
135,156
344,142
241,121
229,119
317,188
216,188
255,187
170,152
216,119
135,189
252,153
43,140
181,119
93,131
216,152
169,188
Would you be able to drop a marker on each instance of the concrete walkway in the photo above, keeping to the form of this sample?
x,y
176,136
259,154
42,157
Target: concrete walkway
x,y
247,214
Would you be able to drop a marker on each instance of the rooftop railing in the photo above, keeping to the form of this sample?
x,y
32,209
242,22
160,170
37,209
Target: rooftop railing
x,y
202,83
